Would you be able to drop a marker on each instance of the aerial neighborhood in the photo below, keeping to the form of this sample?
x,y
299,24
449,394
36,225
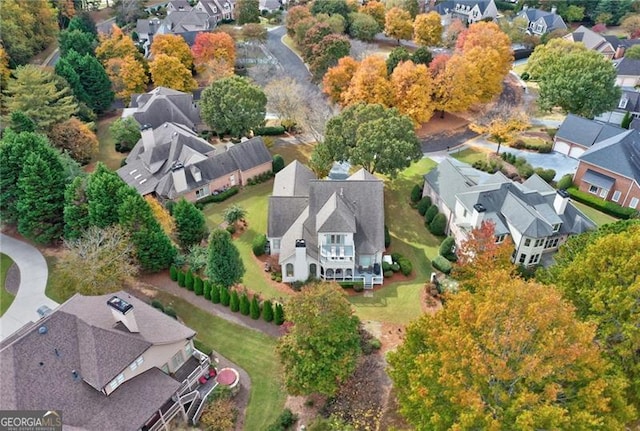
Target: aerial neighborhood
x,y
321,215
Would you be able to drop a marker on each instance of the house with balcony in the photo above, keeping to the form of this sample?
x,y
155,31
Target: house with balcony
x,y
468,11
327,229
172,162
533,215
108,362
610,169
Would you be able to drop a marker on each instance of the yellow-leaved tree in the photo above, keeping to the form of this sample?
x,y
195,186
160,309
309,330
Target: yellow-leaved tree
x,y
513,356
161,214
427,29
338,78
502,126
375,9
116,45
398,24
169,72
454,88
127,76
370,83
412,91
173,46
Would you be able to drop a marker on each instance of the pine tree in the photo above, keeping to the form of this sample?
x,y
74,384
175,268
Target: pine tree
x,y
181,278
225,296
76,212
40,215
207,289
173,273
215,293
255,308
188,280
279,315
245,305
198,286
190,223
267,310
225,266
234,303
104,196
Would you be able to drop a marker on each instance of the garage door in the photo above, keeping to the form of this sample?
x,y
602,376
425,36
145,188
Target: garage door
x,y
576,152
562,147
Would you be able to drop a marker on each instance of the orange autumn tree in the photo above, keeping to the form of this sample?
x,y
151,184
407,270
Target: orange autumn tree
x,y
398,24
427,29
116,45
127,76
169,72
370,83
412,90
211,48
513,356
454,88
482,261
338,78
173,46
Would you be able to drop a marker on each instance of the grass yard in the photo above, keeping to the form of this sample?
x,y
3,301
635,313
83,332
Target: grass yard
x,y
6,297
300,152
107,153
596,216
256,354
469,155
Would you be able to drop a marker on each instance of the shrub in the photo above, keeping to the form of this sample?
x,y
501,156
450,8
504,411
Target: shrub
x,y
267,310
269,131
405,266
395,256
204,348
259,244
387,237
430,214
173,273
234,301
219,197
278,278
525,76
546,174
254,309
245,305
215,294
395,267
231,229
157,304
188,280
386,266
525,171
607,207
388,274
297,285
358,287
375,344
278,316
424,205
416,194
565,182
181,277
169,311
284,421
441,264
277,164
198,286
225,296
447,249
438,224
207,289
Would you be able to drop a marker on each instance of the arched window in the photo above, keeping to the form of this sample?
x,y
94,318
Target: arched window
x,y
289,269
329,273
313,270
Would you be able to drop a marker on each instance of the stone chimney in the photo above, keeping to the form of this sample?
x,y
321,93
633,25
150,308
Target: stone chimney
x,y
179,177
122,311
148,141
560,201
478,215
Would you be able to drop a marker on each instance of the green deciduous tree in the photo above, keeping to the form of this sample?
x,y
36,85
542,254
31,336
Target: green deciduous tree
x,y
397,56
363,27
633,52
234,214
247,11
322,347
233,105
34,91
574,13
225,266
332,7
321,161
546,55
372,136
191,227
125,132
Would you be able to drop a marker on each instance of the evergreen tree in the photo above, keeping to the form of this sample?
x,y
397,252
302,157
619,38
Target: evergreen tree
x,y
188,280
215,293
83,22
20,122
267,310
173,273
181,278
225,296
234,303
40,215
66,70
225,266
190,223
104,196
198,286
77,40
255,308
278,315
96,83
245,305
207,289
76,209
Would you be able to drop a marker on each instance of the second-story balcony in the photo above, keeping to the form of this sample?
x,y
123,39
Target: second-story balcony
x,y
335,252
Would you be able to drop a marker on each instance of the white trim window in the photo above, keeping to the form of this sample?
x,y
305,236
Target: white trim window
x,y
500,238
135,364
616,196
604,193
634,203
556,227
117,381
593,189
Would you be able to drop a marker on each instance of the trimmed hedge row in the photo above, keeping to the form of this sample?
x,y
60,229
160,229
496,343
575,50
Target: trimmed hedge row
x,y
261,178
269,131
611,208
357,286
222,196
441,264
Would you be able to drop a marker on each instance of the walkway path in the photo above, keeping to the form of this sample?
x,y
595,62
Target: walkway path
x,y
33,281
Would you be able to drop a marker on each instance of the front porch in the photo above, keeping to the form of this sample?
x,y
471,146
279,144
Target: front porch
x,y
369,276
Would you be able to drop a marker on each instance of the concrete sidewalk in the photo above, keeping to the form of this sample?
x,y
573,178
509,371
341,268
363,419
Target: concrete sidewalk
x,y
33,281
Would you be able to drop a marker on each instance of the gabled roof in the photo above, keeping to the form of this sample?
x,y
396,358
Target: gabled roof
x,y
628,67
250,153
620,154
186,21
283,211
448,6
453,177
553,21
335,216
180,4
629,101
585,132
57,362
589,38
293,180
162,105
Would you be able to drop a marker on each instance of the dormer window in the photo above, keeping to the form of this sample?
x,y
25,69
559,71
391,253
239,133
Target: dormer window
x,y
500,238
556,227
623,102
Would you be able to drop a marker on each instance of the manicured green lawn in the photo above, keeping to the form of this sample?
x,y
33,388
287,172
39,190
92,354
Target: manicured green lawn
x,y
253,351
596,216
107,153
6,297
469,155
255,200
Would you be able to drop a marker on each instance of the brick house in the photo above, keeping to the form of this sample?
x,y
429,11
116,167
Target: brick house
x,y
577,134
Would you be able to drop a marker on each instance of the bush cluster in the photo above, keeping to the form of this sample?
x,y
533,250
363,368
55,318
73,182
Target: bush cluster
x,y
606,207
416,194
521,144
204,348
435,221
492,166
265,176
524,168
222,196
400,264
441,264
358,286
269,131
447,249
284,421
565,182
259,245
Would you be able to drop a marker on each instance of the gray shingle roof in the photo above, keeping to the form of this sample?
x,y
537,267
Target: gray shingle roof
x,y
597,179
336,216
81,336
250,153
588,37
552,20
451,4
293,180
628,66
162,105
585,132
283,211
450,178
620,154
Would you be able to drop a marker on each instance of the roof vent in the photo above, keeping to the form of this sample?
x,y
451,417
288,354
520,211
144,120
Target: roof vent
x,y
75,375
42,330
479,207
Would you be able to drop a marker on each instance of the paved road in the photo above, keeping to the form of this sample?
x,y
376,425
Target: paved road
x,y
33,280
292,65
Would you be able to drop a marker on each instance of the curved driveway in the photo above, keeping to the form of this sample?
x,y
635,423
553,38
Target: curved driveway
x,y
33,281
292,64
